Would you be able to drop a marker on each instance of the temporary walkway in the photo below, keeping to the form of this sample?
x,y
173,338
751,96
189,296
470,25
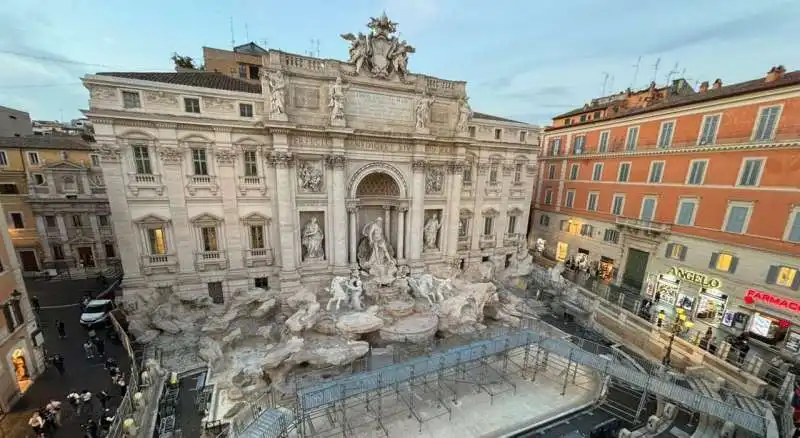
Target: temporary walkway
x,y
273,423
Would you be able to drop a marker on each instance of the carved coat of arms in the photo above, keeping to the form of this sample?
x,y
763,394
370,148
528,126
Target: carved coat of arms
x,y
380,52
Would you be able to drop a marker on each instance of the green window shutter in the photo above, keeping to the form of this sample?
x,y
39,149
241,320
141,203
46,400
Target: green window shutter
x,y
713,262
772,274
734,263
669,250
9,319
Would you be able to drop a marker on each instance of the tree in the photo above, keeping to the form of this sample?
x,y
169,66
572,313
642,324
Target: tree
x,y
183,61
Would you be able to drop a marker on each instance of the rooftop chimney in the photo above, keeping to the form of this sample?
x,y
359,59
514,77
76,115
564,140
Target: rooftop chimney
x,y
704,87
717,84
775,73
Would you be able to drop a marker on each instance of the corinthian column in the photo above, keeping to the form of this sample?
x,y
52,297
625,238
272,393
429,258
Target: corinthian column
x,y
417,213
401,233
283,161
353,211
336,164
456,171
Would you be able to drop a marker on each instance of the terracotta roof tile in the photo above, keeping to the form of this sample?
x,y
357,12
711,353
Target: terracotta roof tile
x,y
200,79
484,116
71,143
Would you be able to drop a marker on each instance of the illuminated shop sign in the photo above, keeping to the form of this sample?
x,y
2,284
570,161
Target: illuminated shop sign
x,y
696,278
753,296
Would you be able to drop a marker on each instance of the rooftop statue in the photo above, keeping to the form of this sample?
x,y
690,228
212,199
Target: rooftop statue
x,y
380,52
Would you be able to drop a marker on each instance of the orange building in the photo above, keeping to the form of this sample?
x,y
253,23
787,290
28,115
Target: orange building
x,y
691,194
243,62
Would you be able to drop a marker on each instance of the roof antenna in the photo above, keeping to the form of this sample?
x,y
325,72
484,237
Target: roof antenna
x,y
672,72
636,72
246,33
605,82
655,68
233,40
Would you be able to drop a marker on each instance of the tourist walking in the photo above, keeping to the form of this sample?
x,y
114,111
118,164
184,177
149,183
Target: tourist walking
x,y
103,398
36,423
62,332
54,409
86,401
58,362
100,346
74,400
35,305
661,316
121,384
90,428
106,420
88,348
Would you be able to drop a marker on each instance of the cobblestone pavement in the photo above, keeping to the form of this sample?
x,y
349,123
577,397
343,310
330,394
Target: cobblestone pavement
x,y
59,302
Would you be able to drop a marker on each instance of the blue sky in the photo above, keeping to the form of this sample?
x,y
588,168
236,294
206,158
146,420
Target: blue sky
x,y
527,60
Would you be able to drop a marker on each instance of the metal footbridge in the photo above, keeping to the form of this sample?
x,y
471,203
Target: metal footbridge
x,y
275,423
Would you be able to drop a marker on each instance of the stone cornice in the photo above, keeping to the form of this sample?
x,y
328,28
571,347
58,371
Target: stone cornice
x,y
113,81
676,151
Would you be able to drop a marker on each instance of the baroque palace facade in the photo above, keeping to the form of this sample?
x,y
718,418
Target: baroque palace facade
x,y
693,196
218,184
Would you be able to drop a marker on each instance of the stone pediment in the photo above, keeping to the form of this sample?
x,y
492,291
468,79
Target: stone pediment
x,y
515,211
64,165
81,240
151,219
490,211
205,218
465,212
255,218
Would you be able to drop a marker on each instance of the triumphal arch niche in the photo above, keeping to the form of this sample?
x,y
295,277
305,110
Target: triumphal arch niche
x,y
380,155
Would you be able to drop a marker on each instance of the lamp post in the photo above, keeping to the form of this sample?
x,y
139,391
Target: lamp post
x,y
677,326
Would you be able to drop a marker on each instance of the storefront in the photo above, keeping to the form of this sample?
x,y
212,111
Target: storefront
x,y
606,270
662,289
562,250
769,323
711,306
699,295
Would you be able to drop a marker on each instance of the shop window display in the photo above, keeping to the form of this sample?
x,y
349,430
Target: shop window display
x,y
768,329
711,306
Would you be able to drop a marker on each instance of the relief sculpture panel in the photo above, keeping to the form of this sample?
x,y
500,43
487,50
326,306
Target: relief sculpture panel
x,y
306,97
378,105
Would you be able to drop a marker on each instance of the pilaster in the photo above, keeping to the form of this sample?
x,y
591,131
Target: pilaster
x,y
336,164
99,249
417,213
228,182
456,171
184,236
62,231
42,230
126,233
283,161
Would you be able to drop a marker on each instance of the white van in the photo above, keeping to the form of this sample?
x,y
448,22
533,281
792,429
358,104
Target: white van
x,y
96,312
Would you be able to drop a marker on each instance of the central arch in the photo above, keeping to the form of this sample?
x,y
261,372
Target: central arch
x,y
377,172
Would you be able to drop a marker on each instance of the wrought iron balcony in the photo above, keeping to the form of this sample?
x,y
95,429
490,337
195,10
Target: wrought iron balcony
x,y
637,225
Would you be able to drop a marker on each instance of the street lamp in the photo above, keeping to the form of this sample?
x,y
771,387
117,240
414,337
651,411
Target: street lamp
x,y
680,323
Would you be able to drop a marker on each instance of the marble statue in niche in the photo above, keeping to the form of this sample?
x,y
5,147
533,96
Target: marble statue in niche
x,y
422,111
463,224
312,240
375,253
309,177
431,231
464,114
336,96
434,180
276,85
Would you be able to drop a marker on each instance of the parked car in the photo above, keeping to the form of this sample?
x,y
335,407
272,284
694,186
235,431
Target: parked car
x,y
96,312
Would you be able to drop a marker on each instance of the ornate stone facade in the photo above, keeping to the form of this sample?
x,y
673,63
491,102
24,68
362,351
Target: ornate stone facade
x,y
224,201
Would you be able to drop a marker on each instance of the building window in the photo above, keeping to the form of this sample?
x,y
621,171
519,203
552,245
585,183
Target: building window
x,y
551,171
250,163
245,110
708,132
215,292
16,221
141,159
95,159
472,131
243,71
208,236
493,173
544,220
573,171
578,143
648,209
8,189
750,173
130,99
199,162
256,237
102,220
3,158
33,158
597,172
618,205
110,251
523,136
38,179
587,230
517,173
548,197
793,227
783,276
737,218
591,202
254,71
766,123
569,201
697,172
498,133
191,105
633,138
488,226
687,209
77,221
583,117
157,241
611,236
512,225
665,136
50,221
58,251
723,262
675,251
624,172
466,176
12,312
262,282
602,144
656,172
555,147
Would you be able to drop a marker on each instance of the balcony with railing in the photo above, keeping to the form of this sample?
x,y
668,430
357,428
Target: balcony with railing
x,y
106,231
254,257
202,182
511,239
463,242
159,263
253,182
487,241
149,181
83,231
210,260
639,225
53,232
